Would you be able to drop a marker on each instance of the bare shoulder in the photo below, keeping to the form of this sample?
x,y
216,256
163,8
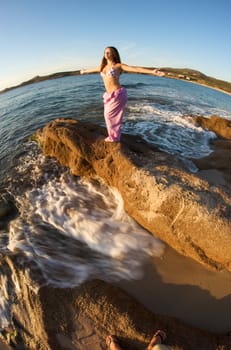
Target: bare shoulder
x,y
129,69
124,66
118,67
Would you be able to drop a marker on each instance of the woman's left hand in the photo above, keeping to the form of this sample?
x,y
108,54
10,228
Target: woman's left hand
x,y
158,72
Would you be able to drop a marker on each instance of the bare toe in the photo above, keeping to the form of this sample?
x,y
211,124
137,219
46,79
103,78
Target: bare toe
x,y
158,338
112,343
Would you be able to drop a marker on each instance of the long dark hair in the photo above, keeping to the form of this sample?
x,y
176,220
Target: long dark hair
x,y
115,54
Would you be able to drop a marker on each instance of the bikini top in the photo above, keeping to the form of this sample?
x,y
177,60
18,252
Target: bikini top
x,y
110,73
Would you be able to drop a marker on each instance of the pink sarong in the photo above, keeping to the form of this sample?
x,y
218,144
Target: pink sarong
x,y
114,104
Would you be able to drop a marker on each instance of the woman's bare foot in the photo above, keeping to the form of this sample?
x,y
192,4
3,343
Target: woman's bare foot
x,y
107,139
112,343
158,338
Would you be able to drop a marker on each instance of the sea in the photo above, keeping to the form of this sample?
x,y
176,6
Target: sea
x,y
69,229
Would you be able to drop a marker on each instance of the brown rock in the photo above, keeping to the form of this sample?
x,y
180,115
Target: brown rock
x,y
220,158
158,191
221,126
80,318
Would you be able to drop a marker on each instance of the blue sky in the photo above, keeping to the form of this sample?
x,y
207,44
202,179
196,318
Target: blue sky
x,y
39,37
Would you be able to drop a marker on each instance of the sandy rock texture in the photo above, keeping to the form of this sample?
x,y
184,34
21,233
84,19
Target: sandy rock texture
x,y
158,190
46,318
220,159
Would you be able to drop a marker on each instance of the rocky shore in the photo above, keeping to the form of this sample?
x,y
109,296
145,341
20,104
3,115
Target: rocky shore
x,y
190,212
81,318
218,162
158,190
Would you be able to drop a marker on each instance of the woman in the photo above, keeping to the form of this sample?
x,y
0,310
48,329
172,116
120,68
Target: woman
x,y
115,97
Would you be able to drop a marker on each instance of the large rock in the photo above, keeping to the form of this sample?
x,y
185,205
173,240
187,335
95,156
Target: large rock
x,y
220,158
158,190
80,318
221,126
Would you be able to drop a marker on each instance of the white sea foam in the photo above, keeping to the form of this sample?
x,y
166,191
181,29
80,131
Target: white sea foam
x,y
75,230
169,130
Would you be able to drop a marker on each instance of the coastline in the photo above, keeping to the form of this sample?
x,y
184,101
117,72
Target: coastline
x,y
168,71
207,86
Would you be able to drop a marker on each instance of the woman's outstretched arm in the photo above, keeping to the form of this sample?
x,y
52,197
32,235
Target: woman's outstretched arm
x,y
142,70
90,70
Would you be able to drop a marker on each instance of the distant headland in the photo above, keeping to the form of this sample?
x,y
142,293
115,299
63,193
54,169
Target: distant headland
x,y
186,74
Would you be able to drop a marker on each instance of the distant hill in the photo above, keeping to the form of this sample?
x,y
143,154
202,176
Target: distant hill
x,y
197,77
173,73
38,79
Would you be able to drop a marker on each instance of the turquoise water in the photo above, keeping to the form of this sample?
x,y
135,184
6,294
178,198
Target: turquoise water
x,y
68,229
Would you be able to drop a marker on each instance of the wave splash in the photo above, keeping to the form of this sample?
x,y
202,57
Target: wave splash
x,y
169,130
74,229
